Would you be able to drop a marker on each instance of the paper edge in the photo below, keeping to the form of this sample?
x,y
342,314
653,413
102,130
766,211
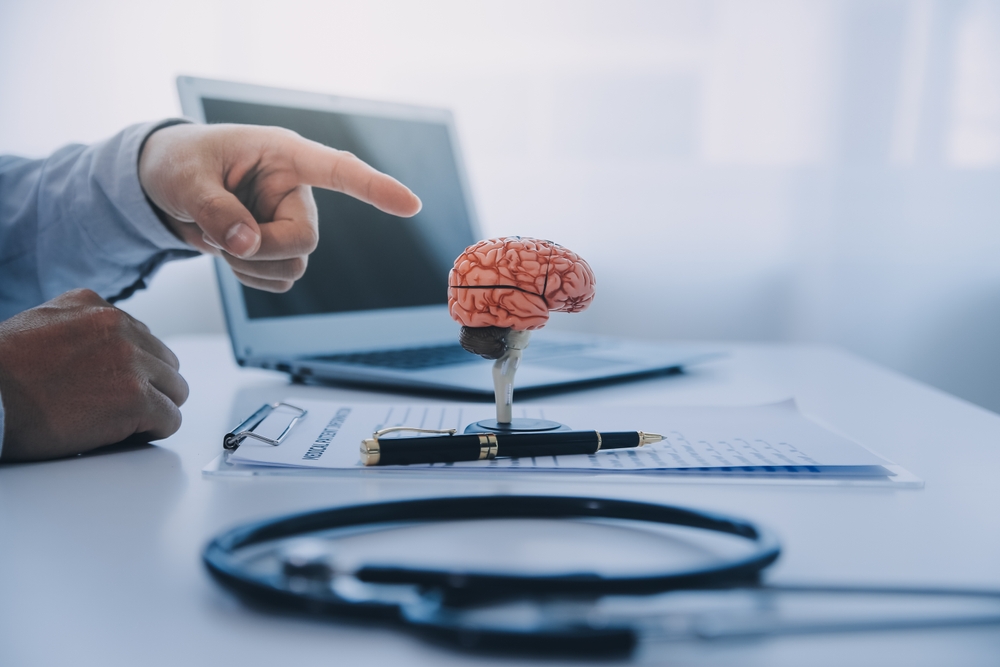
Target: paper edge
x,y
901,479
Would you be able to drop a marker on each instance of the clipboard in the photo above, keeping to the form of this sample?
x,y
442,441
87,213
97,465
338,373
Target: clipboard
x,y
245,429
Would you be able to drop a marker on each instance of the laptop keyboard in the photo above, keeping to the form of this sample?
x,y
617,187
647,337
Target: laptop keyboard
x,y
420,358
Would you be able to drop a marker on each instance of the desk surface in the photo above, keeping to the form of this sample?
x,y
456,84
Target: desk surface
x,y
100,557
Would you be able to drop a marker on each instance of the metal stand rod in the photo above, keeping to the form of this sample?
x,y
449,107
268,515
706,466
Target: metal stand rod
x,y
504,369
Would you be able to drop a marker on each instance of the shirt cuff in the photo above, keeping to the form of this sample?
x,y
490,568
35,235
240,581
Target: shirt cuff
x,y
132,199
1,426
143,242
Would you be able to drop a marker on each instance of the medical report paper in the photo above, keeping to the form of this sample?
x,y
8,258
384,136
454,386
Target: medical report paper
x,y
758,439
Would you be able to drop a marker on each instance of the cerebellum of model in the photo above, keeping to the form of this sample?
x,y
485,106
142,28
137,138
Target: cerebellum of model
x,y
500,290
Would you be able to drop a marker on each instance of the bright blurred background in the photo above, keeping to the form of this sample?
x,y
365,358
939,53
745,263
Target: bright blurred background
x,y
733,170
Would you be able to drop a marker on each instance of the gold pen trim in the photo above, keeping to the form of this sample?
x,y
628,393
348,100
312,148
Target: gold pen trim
x,y
487,446
370,452
648,438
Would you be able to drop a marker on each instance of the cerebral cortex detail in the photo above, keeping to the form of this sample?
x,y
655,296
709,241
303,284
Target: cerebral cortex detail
x,y
514,282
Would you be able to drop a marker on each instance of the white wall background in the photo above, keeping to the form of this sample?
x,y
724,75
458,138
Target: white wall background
x,y
766,170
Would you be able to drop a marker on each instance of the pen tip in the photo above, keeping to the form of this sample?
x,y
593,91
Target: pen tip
x,y
648,438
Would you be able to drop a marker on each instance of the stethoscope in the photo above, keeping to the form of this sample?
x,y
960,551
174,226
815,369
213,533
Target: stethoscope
x,y
276,563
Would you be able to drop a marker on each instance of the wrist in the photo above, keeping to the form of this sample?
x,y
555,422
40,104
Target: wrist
x,y
146,173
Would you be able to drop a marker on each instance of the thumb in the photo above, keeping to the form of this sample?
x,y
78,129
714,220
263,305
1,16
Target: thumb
x,y
227,224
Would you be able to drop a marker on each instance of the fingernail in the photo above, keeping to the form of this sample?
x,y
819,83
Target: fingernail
x,y
241,240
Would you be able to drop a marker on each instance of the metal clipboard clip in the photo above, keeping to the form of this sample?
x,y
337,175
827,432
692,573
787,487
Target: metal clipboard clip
x,y
233,439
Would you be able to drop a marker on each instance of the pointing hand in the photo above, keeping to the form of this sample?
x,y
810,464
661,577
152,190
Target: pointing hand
x,y
243,192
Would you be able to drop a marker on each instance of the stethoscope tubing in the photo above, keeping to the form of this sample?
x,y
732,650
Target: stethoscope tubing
x,y
219,555
442,596
446,590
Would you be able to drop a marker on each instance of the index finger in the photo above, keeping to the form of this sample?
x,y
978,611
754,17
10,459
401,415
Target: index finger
x,y
325,167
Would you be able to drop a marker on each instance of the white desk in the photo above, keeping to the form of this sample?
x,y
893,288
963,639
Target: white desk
x,y
100,555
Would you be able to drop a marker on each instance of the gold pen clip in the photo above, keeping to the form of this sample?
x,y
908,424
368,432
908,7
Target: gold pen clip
x,y
370,451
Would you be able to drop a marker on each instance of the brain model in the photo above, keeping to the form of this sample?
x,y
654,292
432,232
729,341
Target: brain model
x,y
512,283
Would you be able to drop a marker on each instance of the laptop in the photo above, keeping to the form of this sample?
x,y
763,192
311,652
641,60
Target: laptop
x,y
372,306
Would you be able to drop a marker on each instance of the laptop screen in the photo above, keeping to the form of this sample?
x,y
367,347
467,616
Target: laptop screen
x,y
367,259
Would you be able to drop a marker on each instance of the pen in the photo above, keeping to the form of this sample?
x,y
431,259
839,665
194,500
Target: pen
x,y
480,446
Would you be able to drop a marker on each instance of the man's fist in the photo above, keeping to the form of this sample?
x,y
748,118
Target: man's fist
x,y
243,192
77,373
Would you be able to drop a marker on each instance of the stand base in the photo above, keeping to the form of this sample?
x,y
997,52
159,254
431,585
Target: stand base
x,y
517,425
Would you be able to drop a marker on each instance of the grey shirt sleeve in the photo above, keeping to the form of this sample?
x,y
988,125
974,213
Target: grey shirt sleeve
x,y
79,218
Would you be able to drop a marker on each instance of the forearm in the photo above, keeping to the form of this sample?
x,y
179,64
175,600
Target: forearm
x,y
79,218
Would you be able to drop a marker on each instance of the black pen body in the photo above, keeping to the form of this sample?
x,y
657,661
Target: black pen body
x,y
480,446
433,449
554,443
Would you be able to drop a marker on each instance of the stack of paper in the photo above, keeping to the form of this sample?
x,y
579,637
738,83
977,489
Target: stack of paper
x,y
769,440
